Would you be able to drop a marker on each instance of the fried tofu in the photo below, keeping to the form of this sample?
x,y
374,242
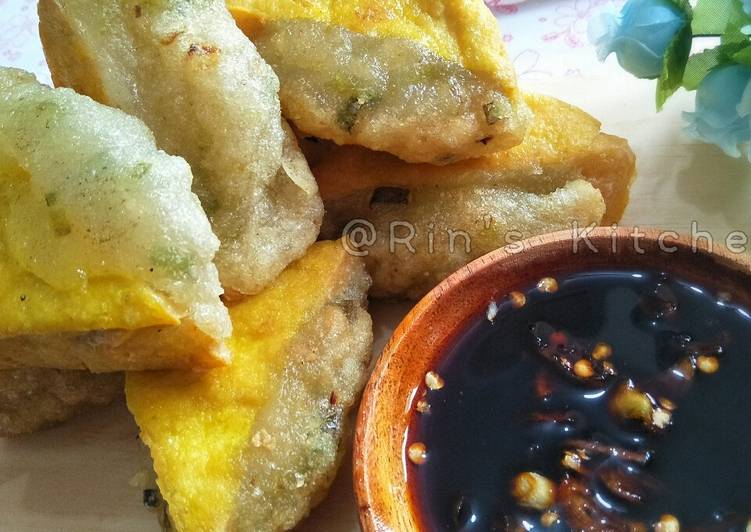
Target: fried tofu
x,y
254,446
190,74
428,81
420,223
34,398
105,253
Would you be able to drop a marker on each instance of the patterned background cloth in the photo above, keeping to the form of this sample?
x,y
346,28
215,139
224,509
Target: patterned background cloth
x,y
546,38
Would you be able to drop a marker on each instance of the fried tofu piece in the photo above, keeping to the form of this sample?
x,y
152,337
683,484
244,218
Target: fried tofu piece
x,y
105,253
426,80
190,74
254,446
565,171
34,398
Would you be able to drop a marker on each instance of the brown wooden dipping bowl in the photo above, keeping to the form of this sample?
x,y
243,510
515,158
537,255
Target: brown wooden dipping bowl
x,y
380,469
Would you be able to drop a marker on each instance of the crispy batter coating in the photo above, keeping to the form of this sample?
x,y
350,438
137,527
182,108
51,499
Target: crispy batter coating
x,y
186,70
438,230
32,398
101,240
427,81
254,446
565,171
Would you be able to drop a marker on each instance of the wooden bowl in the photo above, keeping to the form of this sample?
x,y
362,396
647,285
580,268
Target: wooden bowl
x,y
380,471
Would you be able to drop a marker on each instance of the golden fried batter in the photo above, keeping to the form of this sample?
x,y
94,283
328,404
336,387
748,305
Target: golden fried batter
x,y
105,253
426,80
427,221
254,446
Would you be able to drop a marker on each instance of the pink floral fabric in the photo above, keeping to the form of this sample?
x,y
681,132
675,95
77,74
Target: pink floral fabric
x,y
548,38
19,37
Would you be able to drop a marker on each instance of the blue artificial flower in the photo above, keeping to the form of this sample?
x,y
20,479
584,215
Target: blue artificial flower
x,y
639,36
723,110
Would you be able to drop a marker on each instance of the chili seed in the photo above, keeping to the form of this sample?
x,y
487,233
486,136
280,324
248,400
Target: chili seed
x,y
518,300
548,285
433,381
417,453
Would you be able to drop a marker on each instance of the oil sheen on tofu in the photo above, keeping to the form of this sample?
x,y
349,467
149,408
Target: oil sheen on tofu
x,y
427,80
98,230
36,295
253,446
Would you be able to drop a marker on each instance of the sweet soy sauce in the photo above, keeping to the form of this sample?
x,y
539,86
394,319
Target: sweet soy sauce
x,y
607,400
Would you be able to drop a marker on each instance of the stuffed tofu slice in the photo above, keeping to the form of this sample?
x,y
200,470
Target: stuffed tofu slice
x,y
105,253
419,223
254,446
187,71
426,80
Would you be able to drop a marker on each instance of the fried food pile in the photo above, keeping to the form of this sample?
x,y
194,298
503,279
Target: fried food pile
x,y
189,73
425,222
106,254
158,219
427,81
254,445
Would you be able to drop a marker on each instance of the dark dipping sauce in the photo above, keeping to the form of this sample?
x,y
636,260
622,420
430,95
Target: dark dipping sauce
x,y
655,421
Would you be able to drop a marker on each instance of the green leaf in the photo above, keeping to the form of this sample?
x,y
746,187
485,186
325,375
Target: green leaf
x,y
743,56
734,35
699,65
674,66
712,17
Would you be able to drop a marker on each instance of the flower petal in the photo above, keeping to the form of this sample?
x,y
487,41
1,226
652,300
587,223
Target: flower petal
x,y
744,106
640,35
720,94
638,59
729,138
602,32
